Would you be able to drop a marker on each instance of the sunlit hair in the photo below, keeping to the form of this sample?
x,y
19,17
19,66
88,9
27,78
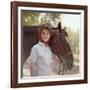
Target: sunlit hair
x,y
44,27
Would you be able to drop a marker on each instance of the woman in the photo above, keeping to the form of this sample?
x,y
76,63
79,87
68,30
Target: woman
x,y
41,56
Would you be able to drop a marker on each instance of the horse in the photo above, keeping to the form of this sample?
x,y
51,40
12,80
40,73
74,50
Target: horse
x,y
61,47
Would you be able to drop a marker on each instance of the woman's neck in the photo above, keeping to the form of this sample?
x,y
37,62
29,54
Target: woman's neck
x,y
46,43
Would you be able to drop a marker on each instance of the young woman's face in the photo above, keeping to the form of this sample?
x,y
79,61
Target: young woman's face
x,y
45,35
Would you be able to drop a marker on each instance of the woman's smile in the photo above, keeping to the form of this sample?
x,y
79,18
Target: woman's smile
x,y
45,35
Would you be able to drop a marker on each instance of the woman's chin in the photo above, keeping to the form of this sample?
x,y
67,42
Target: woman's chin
x,y
46,41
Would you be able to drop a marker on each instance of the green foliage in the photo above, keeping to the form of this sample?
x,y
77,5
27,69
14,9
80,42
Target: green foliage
x,y
30,18
51,18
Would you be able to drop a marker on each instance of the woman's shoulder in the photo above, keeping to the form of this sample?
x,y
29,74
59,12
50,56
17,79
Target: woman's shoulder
x,y
35,47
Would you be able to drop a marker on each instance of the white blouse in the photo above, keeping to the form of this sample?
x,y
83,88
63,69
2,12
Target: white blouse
x,y
41,55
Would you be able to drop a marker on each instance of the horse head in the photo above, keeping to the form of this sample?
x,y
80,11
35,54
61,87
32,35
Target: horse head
x,y
61,47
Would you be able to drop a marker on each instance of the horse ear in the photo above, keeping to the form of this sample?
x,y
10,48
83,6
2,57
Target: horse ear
x,y
59,27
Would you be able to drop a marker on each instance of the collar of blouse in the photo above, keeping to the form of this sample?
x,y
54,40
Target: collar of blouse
x,y
43,44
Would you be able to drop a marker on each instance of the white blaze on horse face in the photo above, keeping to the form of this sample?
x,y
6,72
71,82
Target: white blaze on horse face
x,y
45,35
